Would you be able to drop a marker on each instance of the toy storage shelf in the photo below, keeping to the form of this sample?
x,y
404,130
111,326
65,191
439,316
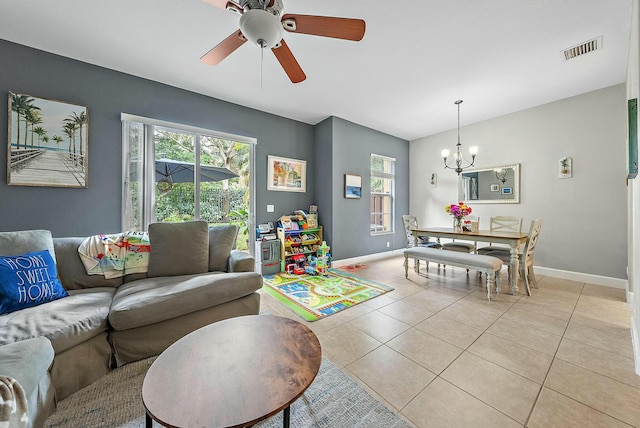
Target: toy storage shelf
x,y
292,242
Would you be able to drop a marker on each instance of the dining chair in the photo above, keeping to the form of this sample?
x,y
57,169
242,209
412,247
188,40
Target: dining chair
x,y
526,257
502,223
462,246
410,222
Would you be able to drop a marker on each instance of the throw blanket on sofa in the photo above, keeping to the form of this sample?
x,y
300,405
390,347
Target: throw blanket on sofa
x,y
115,255
13,404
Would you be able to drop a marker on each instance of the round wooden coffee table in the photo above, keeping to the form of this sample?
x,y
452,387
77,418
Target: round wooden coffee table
x,y
233,373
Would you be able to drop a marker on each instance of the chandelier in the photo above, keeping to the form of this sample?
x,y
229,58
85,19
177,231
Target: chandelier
x,y
458,158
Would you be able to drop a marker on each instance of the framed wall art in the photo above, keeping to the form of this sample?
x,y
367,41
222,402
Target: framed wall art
x,y
48,142
286,175
352,186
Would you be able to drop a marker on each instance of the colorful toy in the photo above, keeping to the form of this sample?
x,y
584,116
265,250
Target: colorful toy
x,y
322,261
298,265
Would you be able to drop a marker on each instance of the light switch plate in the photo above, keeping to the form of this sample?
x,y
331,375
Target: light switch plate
x,y
270,208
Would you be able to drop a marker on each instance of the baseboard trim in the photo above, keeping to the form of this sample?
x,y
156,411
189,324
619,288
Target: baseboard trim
x,y
606,281
368,257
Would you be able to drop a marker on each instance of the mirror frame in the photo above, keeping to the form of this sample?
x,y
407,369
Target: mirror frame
x,y
516,186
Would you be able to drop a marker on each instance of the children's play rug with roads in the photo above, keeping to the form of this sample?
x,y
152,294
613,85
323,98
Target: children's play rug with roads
x,y
315,297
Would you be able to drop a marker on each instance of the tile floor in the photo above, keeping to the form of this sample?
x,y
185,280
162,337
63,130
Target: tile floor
x,y
440,355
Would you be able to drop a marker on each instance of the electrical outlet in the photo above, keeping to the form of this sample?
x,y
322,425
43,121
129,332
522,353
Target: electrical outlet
x,y
388,244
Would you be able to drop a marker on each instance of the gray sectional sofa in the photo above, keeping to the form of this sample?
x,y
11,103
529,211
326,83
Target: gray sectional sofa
x,y
194,278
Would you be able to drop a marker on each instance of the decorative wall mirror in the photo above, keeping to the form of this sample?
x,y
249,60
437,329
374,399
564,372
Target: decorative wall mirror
x,y
495,185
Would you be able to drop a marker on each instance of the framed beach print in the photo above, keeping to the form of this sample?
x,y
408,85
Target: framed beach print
x,y
48,142
286,175
352,186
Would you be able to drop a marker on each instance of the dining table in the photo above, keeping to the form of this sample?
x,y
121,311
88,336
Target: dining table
x,y
513,239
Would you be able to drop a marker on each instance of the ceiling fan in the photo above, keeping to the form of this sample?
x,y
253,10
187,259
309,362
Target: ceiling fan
x,y
262,23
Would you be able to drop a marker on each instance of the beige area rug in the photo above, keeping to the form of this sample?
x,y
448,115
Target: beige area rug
x,y
333,400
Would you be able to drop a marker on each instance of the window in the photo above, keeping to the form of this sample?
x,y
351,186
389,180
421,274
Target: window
x,y
174,173
383,171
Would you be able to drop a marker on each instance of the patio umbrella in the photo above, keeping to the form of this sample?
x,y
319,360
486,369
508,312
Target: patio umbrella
x,y
173,171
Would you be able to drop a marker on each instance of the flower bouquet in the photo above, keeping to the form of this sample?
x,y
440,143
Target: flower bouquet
x,y
459,211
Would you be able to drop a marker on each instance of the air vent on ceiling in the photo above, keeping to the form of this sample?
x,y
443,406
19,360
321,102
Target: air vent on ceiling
x,y
582,48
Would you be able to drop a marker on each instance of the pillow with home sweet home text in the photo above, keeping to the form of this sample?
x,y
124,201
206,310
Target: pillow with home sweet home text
x,y
28,280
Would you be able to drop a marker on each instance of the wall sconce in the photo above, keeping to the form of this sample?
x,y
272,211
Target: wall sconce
x,y
564,167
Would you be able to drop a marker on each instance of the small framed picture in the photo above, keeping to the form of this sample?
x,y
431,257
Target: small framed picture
x,y
352,186
286,175
507,190
495,187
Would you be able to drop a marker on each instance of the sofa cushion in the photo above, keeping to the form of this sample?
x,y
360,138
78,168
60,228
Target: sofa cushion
x,y
178,248
71,270
222,239
27,361
152,300
25,241
239,261
28,280
65,322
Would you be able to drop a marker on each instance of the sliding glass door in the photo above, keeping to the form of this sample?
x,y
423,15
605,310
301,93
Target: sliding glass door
x,y
173,174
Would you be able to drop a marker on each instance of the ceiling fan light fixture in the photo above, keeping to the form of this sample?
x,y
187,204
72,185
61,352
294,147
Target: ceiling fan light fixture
x,y
261,27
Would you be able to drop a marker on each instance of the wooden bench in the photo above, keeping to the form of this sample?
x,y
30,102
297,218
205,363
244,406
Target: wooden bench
x,y
487,264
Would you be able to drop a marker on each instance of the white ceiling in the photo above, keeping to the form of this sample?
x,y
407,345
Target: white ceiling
x,y
416,58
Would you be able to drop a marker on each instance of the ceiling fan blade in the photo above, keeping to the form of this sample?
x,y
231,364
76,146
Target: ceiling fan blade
x,y
224,49
289,63
327,26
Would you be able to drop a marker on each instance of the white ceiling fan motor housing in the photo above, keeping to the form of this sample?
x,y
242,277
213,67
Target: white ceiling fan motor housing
x,y
261,27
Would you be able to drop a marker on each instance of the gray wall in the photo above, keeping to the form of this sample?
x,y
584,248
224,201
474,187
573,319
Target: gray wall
x,y
350,146
323,160
585,217
79,212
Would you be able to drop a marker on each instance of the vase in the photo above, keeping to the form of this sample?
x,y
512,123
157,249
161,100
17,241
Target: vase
x,y
457,224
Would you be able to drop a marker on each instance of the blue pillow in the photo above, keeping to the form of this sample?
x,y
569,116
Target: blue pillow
x,y
28,280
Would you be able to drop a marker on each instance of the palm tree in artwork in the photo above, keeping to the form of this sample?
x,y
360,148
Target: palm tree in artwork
x,y
45,139
73,125
57,139
69,129
32,116
40,132
80,121
20,104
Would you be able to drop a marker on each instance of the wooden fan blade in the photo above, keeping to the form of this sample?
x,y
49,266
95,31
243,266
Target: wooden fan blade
x,y
289,63
224,49
327,26
223,4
